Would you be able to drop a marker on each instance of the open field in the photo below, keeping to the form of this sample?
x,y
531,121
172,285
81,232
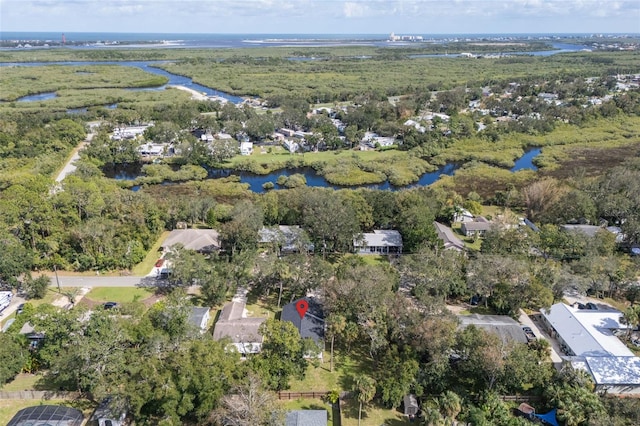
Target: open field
x,y
118,294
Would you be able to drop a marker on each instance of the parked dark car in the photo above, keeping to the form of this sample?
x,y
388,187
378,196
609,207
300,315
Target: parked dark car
x,y
592,306
110,305
529,333
20,309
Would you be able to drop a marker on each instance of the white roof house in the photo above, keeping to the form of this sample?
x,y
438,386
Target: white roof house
x,y
585,332
586,337
246,148
379,241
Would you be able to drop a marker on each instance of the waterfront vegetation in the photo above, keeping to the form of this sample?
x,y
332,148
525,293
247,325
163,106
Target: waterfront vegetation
x,y
19,81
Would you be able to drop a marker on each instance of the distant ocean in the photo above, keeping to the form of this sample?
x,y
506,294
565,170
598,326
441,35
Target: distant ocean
x,y
99,40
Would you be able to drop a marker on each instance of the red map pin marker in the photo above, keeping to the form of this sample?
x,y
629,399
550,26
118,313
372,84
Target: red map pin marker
x,y
301,307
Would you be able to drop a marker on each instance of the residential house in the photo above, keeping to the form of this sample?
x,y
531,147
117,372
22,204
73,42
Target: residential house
x,y
287,239
379,241
311,325
587,338
448,237
307,418
508,329
243,331
287,132
246,148
152,149
411,407
592,230
478,227
199,318
291,145
200,240
373,140
463,215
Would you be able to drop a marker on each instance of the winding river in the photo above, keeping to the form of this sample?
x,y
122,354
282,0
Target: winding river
x,y
256,182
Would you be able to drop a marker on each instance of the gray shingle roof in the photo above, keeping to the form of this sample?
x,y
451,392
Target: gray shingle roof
x,y
312,324
203,240
448,237
307,418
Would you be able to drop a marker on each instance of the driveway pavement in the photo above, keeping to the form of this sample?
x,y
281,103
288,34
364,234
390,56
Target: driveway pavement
x,y
526,320
98,281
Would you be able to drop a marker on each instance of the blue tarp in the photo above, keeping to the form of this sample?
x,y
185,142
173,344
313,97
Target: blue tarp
x,y
549,417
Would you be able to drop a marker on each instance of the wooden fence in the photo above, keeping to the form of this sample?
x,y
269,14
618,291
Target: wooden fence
x,y
38,395
298,395
521,398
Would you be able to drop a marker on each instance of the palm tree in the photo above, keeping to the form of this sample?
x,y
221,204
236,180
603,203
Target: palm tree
x,y
335,325
450,405
364,388
631,317
432,417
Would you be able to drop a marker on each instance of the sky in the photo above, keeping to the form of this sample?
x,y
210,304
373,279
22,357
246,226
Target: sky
x,y
323,16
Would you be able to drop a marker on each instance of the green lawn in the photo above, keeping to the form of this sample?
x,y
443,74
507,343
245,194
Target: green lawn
x,y
22,382
118,294
144,267
371,415
320,378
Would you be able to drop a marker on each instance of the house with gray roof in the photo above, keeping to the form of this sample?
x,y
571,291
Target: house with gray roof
x,y
504,326
448,237
307,418
243,331
286,239
478,227
200,240
311,325
380,241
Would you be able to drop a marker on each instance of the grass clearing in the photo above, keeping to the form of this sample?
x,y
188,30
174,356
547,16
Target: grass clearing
x,y
22,381
372,415
320,378
118,294
144,268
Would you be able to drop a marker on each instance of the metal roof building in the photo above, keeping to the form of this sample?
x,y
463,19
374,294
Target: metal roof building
x,y
585,332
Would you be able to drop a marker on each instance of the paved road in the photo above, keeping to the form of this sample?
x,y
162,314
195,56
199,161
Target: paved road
x,y
97,281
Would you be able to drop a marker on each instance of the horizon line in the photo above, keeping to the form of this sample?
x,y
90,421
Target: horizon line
x,y
325,33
